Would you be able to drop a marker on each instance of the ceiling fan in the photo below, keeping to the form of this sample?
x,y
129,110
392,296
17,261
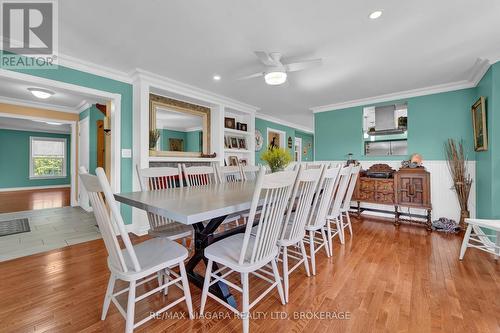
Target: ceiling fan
x,y
275,72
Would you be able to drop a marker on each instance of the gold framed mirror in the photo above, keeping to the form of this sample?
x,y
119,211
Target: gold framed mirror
x,y
178,128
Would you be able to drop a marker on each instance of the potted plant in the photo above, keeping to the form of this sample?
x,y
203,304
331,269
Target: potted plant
x,y
462,181
276,158
154,135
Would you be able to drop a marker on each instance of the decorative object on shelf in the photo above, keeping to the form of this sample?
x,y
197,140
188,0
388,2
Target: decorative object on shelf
x,y
479,125
154,135
462,181
290,141
351,160
259,140
408,188
242,143
227,143
233,142
213,155
402,123
243,161
273,139
233,160
243,127
415,161
229,123
175,144
276,158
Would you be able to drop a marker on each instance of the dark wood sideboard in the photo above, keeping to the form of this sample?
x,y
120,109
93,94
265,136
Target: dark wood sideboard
x,y
405,188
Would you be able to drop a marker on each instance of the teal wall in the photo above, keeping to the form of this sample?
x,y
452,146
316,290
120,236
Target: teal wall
x,y
432,119
262,125
15,160
193,141
167,134
83,79
308,144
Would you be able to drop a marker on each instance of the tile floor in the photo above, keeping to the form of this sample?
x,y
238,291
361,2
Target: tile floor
x,y
50,229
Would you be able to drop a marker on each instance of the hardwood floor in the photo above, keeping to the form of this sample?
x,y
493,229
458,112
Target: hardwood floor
x,y
383,279
17,201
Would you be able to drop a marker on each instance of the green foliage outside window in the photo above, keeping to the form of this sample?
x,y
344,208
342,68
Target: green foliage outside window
x,y
47,166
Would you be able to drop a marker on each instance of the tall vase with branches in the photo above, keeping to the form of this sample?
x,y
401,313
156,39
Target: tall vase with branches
x,y
462,181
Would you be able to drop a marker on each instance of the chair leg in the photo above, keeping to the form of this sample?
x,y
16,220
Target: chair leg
x,y
304,256
326,241
278,281
312,253
339,222
245,313
329,245
129,327
465,242
285,272
349,222
206,284
166,279
187,292
107,298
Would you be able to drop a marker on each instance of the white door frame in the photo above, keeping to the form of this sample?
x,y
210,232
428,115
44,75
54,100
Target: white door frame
x,y
299,141
83,198
98,94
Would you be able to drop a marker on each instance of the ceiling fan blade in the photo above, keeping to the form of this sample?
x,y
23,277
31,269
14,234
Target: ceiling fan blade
x,y
251,76
298,66
265,58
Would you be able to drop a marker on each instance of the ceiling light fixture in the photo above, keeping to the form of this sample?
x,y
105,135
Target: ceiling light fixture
x,y
41,93
275,78
217,77
375,15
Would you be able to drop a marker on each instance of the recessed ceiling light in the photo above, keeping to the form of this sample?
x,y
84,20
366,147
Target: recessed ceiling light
x,y
217,77
375,15
41,93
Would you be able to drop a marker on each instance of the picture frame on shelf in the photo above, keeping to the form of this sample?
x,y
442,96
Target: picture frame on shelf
x,y
233,143
233,160
243,161
227,143
238,126
242,143
243,127
229,123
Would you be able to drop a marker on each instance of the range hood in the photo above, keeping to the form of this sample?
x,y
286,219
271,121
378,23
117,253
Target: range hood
x,y
386,122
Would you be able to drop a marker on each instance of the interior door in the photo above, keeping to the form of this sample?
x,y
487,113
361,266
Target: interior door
x,y
83,159
298,149
100,144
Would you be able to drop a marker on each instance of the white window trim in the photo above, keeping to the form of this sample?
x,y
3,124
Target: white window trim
x,y
65,157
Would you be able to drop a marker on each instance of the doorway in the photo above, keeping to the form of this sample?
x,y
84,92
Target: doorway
x,y
298,149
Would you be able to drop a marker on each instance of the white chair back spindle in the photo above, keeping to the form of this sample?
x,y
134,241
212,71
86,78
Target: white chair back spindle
x,y
200,175
339,192
96,186
324,196
346,204
250,172
274,190
230,174
302,198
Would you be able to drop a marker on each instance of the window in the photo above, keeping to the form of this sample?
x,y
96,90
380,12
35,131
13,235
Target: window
x,y
47,157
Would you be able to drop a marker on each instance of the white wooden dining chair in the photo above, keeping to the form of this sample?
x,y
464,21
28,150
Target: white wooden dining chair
x,y
317,222
246,254
160,178
476,237
200,175
135,264
346,204
230,174
292,235
292,166
250,172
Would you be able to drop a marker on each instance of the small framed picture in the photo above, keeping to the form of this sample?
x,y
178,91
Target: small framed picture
x,y
234,143
229,123
243,127
233,160
227,144
243,162
238,126
242,143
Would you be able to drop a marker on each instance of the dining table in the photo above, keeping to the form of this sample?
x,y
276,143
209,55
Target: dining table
x,y
204,208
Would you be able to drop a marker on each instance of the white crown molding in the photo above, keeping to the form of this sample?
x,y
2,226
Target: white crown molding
x,y
84,105
177,87
284,123
24,129
36,105
477,72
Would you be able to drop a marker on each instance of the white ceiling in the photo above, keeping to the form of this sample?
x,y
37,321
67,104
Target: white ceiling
x,y
32,125
16,92
415,44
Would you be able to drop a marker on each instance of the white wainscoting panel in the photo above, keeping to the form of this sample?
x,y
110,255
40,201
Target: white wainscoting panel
x,y
443,198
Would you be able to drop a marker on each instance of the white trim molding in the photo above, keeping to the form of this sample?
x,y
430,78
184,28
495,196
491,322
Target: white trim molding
x,y
37,105
284,123
477,71
30,188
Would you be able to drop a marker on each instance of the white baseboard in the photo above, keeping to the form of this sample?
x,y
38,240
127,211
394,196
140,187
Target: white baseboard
x,y
27,188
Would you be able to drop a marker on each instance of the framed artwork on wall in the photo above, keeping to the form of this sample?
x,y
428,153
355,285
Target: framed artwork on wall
x,y
479,125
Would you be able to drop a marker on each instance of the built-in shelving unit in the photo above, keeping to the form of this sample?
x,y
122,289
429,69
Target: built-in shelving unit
x,y
245,152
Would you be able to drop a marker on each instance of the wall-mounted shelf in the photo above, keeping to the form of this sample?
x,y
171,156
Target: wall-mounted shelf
x,y
246,151
237,132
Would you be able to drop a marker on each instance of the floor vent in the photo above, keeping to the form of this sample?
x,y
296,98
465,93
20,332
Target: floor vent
x,y
12,227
